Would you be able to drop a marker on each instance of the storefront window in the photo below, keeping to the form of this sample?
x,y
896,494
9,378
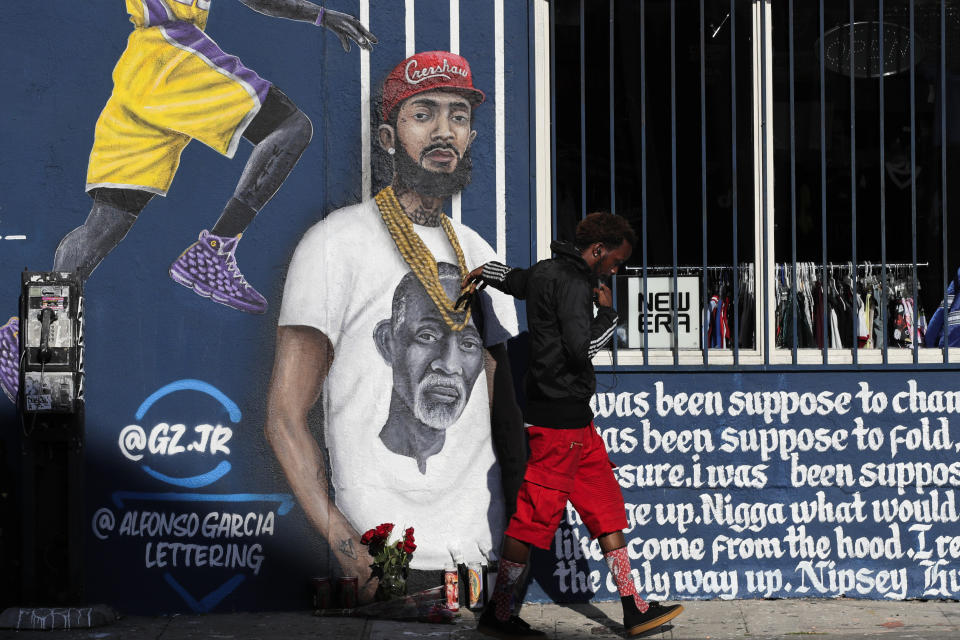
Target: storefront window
x,y
861,190
790,211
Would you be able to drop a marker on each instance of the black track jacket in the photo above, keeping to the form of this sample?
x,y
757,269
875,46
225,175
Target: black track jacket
x,y
564,334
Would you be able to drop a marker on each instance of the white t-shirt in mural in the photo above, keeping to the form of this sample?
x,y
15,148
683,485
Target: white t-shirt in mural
x,y
341,281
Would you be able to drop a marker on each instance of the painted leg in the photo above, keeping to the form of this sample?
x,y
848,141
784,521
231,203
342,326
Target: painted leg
x,y
10,358
209,266
113,213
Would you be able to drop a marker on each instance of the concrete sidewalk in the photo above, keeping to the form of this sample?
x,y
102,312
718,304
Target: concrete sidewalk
x,y
714,620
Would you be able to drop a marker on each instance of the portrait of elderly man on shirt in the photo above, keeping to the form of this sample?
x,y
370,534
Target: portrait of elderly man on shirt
x,y
434,368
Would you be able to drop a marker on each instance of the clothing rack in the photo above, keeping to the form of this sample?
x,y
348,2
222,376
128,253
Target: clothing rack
x,y
686,268
862,265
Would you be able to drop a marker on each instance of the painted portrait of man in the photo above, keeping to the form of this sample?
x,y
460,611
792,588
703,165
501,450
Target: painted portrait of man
x,y
434,368
413,433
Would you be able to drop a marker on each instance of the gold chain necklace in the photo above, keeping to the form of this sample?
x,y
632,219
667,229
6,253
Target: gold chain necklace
x,y
419,258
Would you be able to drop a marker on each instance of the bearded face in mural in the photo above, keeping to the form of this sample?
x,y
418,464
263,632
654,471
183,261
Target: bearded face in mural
x,y
434,368
429,138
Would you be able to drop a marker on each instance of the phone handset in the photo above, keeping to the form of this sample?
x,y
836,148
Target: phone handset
x,y
46,317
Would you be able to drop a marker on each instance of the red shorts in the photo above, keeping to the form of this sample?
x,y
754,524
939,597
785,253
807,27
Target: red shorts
x,y
566,464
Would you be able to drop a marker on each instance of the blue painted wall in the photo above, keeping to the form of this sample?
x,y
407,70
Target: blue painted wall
x,y
144,333
777,485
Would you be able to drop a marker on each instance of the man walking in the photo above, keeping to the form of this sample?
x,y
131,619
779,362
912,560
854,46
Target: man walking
x,y
568,460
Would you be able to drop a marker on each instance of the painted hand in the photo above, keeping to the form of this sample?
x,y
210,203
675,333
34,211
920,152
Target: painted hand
x,y
348,28
355,561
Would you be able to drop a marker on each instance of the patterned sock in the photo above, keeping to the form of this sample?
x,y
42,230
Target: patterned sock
x,y
518,590
619,564
502,597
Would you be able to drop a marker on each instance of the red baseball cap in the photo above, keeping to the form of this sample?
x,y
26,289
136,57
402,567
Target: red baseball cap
x,y
428,71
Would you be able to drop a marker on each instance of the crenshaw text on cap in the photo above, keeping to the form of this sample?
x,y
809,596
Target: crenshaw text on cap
x,y
428,71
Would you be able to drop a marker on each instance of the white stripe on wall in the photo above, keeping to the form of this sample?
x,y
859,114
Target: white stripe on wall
x,y
455,26
455,205
410,32
500,97
366,180
542,129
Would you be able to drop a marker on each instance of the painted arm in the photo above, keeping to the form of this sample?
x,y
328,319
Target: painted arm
x,y
303,359
345,26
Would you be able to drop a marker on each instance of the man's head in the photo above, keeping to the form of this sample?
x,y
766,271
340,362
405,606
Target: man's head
x,y
605,241
427,109
434,367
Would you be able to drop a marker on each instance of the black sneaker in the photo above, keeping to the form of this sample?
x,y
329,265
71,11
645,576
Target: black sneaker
x,y
657,614
515,627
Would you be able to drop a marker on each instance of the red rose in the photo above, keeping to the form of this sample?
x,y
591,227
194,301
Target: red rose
x,y
368,536
384,530
409,547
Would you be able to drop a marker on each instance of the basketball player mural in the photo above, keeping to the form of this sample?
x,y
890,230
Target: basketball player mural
x,y
368,326
173,84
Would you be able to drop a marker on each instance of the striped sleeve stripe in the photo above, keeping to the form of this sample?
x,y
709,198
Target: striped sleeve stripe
x,y
495,271
599,342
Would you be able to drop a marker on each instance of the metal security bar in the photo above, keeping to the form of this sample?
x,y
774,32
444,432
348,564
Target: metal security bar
x,y
840,121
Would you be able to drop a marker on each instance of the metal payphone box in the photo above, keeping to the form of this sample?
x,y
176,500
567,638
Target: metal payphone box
x,y
51,342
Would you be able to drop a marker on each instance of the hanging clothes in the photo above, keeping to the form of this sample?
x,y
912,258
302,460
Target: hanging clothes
x,y
940,332
843,307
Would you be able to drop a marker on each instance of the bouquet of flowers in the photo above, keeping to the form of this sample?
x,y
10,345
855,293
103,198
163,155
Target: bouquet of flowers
x,y
390,559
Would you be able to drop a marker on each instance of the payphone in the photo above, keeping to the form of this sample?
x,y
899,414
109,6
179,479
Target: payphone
x,y
51,407
51,343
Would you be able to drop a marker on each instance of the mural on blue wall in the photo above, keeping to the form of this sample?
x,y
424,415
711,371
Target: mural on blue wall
x,y
793,485
368,323
174,84
179,529
160,479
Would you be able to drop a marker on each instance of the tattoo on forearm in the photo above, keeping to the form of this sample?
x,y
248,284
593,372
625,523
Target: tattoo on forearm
x,y
346,548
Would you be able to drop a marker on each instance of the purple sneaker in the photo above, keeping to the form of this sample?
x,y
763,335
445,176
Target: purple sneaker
x,y
9,358
209,267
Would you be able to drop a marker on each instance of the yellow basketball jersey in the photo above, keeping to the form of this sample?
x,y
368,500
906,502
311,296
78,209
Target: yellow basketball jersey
x,y
150,13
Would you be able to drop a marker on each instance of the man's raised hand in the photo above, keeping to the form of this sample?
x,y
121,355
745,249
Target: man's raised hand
x,y
472,277
602,296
